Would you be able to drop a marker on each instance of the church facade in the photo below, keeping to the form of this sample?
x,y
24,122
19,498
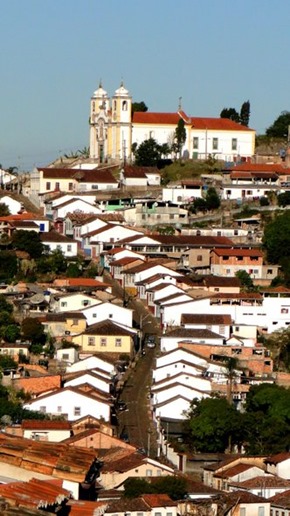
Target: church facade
x,y
113,130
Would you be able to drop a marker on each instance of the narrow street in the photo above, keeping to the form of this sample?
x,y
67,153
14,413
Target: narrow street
x,y
135,424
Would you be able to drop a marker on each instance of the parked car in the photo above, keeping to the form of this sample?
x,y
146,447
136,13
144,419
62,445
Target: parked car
x,y
150,341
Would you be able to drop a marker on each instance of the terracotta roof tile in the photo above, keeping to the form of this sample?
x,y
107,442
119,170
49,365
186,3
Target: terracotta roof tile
x,y
44,424
35,493
238,252
234,470
159,500
279,457
38,385
266,482
215,319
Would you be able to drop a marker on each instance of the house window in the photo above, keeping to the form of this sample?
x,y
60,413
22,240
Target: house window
x,y
65,356
48,185
195,142
242,511
103,342
63,304
215,143
77,411
216,289
199,258
151,134
118,343
95,187
148,472
59,409
110,316
75,322
124,105
261,511
270,271
94,316
234,143
91,341
42,409
70,186
57,186
69,248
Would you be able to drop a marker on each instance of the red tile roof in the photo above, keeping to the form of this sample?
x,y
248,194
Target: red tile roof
x,y
35,493
44,424
39,385
238,252
159,500
221,124
234,470
265,482
54,459
206,319
279,457
86,508
86,176
260,167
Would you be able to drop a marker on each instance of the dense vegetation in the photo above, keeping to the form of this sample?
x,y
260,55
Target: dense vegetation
x,y
214,424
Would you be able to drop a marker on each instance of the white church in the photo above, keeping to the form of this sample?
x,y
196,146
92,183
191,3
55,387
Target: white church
x,y
113,130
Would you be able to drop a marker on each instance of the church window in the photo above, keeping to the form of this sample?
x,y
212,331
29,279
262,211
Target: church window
x,y
234,143
115,105
48,185
215,143
151,134
93,107
195,142
124,105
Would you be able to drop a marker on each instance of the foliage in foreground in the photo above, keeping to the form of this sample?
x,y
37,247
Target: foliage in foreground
x,y
174,486
214,425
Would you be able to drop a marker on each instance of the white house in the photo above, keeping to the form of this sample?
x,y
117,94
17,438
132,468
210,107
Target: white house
x,y
174,390
55,241
183,192
93,363
103,311
171,340
72,404
75,204
13,205
61,302
279,465
97,381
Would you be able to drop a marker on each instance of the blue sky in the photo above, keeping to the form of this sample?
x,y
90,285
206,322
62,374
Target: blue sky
x,y
212,53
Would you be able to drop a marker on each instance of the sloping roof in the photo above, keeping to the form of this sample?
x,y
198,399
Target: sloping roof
x,y
281,499
104,175
158,500
107,328
54,459
266,482
81,282
36,493
277,458
135,172
39,385
86,508
221,281
260,167
221,124
54,236
214,319
45,424
235,470
192,333
238,252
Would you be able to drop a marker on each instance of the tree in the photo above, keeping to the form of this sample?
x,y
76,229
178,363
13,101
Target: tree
x,y
4,210
246,280
279,128
279,344
139,106
212,199
179,136
28,241
213,423
284,199
276,239
11,333
245,113
230,113
173,486
33,331
148,153
7,362
8,265
267,419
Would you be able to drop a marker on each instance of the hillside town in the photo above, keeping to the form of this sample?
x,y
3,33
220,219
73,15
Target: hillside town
x,y
144,322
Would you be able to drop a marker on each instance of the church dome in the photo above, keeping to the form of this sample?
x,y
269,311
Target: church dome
x,y
121,92
100,92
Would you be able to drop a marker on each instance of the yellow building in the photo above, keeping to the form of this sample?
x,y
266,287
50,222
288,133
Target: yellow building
x,y
106,337
64,324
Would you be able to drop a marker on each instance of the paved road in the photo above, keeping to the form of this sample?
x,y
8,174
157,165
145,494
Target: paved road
x,y
136,422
